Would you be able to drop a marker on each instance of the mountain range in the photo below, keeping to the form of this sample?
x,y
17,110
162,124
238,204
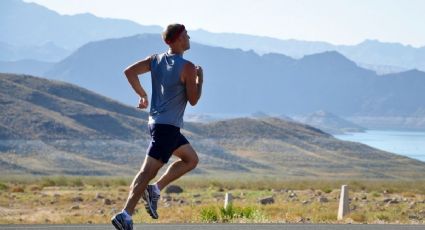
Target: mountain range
x,y
239,81
272,82
31,31
379,56
50,127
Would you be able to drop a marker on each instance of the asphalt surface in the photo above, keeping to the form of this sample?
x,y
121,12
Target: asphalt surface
x,y
222,227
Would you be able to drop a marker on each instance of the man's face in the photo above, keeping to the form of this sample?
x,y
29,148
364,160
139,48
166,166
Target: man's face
x,y
185,39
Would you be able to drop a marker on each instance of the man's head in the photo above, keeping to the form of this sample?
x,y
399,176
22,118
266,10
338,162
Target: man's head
x,y
175,35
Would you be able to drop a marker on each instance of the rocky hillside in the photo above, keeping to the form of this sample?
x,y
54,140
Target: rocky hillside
x,y
50,127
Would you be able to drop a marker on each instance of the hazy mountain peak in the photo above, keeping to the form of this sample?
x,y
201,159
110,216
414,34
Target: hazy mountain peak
x,y
69,31
21,6
375,43
277,55
408,73
330,54
201,30
414,71
329,57
370,41
87,15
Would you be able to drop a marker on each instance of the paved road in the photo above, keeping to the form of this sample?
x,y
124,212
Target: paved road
x,y
222,227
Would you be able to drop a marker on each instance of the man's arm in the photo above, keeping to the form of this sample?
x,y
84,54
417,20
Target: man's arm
x,y
193,78
132,73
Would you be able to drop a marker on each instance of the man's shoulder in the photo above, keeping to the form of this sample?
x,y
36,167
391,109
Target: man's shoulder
x,y
189,63
189,66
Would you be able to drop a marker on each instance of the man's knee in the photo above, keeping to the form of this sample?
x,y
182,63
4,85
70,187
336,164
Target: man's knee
x,y
188,155
193,162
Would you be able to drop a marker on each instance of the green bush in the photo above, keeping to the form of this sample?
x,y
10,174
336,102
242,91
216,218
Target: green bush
x,y
248,213
122,182
327,190
62,181
358,217
46,182
77,182
3,187
227,213
237,213
382,217
214,214
209,215
376,194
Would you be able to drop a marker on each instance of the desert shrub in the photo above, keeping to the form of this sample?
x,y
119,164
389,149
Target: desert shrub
x,y
3,187
327,190
17,189
358,217
383,217
209,215
215,214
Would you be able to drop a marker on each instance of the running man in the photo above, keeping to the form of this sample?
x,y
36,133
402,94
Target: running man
x,y
175,81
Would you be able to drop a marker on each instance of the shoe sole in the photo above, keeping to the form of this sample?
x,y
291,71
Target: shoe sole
x,y
117,224
148,206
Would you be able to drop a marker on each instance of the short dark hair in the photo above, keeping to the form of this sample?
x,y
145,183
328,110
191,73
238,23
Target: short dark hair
x,y
172,31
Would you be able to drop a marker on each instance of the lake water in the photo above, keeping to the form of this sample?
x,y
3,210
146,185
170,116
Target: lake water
x,y
411,144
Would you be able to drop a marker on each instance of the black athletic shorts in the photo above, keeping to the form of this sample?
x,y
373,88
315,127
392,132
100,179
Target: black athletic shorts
x,y
165,140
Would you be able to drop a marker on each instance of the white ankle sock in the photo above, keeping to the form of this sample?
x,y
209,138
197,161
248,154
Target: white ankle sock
x,y
156,189
127,216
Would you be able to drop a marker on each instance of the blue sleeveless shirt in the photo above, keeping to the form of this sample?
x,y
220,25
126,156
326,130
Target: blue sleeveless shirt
x,y
169,98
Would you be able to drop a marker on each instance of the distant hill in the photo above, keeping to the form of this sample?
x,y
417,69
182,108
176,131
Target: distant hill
x,y
329,123
50,127
239,81
56,110
294,149
112,57
383,69
260,44
53,36
32,25
378,55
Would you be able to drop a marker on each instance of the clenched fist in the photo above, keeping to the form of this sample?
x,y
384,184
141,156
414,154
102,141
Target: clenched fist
x,y
200,74
143,102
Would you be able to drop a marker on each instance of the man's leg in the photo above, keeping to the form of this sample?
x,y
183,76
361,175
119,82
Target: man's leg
x,y
147,172
188,161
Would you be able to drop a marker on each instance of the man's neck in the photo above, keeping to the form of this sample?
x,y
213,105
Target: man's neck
x,y
175,51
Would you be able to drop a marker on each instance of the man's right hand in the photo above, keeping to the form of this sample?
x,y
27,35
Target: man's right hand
x,y
143,102
200,74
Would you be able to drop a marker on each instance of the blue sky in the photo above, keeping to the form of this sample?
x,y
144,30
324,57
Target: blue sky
x,y
334,21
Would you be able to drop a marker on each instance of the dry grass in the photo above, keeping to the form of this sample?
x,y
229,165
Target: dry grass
x,y
82,200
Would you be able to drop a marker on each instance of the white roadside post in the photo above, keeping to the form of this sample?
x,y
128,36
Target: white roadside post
x,y
228,200
343,203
